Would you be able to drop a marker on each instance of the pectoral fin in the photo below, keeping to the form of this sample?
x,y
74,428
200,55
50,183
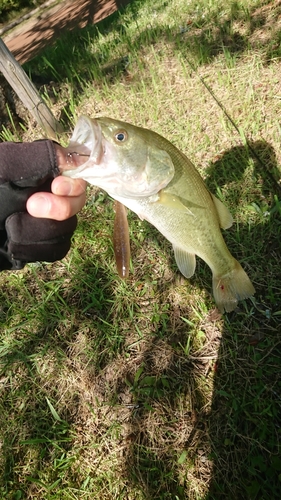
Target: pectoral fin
x,y
176,203
186,261
225,217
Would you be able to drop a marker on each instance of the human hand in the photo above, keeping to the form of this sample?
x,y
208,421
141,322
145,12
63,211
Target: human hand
x,y
30,180
66,199
68,195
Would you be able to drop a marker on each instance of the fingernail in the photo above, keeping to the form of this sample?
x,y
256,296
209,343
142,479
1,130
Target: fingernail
x,y
39,206
63,188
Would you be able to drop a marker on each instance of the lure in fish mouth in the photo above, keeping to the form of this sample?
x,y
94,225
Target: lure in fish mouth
x,y
149,175
144,173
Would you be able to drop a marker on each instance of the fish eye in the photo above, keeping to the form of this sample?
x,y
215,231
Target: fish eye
x,y
121,136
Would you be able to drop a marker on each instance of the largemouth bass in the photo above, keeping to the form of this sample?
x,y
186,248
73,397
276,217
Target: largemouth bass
x,y
149,175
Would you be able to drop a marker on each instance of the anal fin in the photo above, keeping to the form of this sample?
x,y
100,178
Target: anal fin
x,y
186,261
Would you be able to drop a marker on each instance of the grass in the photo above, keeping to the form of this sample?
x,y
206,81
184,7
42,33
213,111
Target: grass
x,y
141,389
11,9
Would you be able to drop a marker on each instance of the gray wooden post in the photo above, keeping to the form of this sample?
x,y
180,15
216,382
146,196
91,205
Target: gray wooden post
x,y
27,92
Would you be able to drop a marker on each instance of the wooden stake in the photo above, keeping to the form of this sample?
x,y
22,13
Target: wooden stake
x,y
28,93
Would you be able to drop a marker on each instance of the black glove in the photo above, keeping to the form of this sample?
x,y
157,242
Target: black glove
x,y
26,168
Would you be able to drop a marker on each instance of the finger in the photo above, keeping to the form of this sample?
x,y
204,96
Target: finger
x,y
51,206
65,186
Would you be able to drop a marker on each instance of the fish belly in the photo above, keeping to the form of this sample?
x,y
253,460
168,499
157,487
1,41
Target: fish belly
x,y
193,233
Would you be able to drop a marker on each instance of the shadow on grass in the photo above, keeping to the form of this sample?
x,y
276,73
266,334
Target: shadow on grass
x,y
172,436
205,35
244,422
37,436
154,387
240,433
241,29
77,58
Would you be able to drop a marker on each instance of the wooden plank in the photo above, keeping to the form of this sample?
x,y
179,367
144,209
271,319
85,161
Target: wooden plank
x,y
27,92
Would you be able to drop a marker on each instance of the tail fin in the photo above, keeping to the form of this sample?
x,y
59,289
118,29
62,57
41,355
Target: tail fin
x,y
231,287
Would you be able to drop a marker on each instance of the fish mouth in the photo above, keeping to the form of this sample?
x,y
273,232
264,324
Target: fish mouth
x,y
86,140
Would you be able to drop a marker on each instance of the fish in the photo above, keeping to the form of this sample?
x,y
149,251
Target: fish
x,y
150,176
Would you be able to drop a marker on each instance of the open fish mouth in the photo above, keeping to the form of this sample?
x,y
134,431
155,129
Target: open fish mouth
x,y
137,170
86,140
